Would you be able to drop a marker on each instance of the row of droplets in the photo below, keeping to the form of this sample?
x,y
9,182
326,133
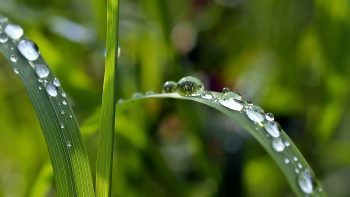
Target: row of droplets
x,y
191,86
29,50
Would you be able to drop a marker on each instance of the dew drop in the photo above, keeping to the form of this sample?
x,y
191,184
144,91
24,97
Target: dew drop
x,y
295,158
13,58
287,143
232,103
28,49
62,112
269,117
277,144
62,126
190,86
3,38
305,182
300,166
69,144
14,31
64,102
51,90
41,70
255,113
225,89
64,95
56,82
296,170
136,95
207,95
70,116
286,161
15,69
148,93
40,88
272,129
227,94
169,87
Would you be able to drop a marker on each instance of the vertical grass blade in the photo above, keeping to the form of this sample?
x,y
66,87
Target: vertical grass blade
x,y
61,131
106,135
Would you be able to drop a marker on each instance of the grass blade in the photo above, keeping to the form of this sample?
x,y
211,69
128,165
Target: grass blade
x,y
66,147
290,160
106,135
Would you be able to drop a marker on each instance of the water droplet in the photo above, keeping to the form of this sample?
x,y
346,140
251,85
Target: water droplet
x,y
70,116
287,144
69,144
269,117
148,93
190,86
62,112
296,170
29,50
56,82
277,144
230,94
232,103
64,95
169,87
255,113
272,129
14,31
286,161
51,90
250,103
136,95
15,69
13,58
207,95
3,38
295,158
305,182
300,166
64,102
40,88
41,70
3,19
119,51
62,126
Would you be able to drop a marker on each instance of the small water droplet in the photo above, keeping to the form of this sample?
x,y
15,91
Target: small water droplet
x,y
62,112
51,90
119,51
207,95
169,87
64,102
300,166
14,31
296,170
286,161
13,58
28,49
190,86
230,94
148,93
64,95
56,82
70,116
3,38
42,70
272,128
137,95
225,89
287,143
69,144
277,144
295,158
305,182
232,103
269,117
62,126
15,69
255,113
40,88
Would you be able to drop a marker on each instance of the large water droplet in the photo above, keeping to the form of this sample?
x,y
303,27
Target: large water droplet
x,y
13,58
56,82
14,31
232,103
305,182
277,144
29,50
190,86
227,94
3,37
41,70
255,113
272,128
169,87
51,90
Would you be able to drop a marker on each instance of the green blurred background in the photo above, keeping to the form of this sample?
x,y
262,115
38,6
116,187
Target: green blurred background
x,y
290,57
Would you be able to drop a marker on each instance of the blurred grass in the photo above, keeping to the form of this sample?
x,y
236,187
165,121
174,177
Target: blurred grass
x,y
291,57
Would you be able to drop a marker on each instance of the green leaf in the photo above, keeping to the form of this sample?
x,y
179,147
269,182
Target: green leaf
x,y
66,147
106,135
289,160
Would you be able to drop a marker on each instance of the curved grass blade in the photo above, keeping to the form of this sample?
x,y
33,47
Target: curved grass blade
x,y
66,147
106,135
280,147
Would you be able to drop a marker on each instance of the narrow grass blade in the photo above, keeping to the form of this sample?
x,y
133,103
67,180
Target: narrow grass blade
x,y
66,147
106,135
299,174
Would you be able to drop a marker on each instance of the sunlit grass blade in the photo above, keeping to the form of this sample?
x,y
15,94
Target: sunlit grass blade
x,y
66,147
299,174
106,135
